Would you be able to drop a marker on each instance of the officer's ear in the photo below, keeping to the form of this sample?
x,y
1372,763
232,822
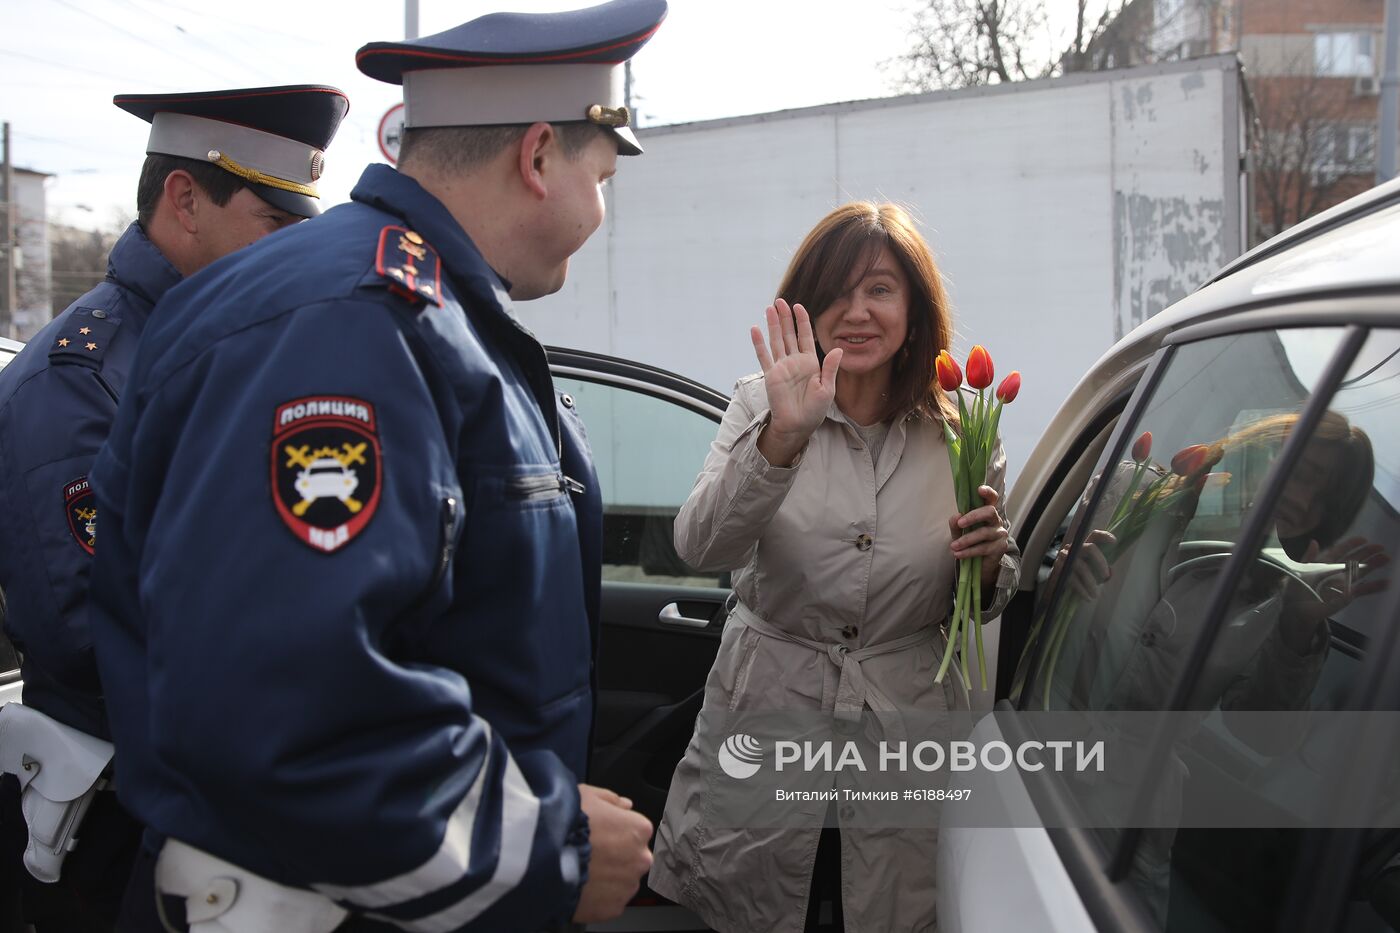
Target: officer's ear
x,y
182,195
538,150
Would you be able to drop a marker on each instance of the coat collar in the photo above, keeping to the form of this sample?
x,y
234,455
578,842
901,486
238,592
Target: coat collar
x,y
138,266
393,192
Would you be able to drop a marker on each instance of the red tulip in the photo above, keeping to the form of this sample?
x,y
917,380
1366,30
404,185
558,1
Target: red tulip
x,y
979,368
1142,447
1196,459
949,375
1006,392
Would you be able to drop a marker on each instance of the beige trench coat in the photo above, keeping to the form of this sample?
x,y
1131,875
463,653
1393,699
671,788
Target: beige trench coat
x,y
835,549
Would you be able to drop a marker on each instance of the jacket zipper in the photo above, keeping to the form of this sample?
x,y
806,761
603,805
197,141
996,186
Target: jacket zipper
x,y
543,486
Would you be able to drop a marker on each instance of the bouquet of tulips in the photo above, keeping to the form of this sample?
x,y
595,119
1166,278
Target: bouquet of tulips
x,y
1139,504
969,453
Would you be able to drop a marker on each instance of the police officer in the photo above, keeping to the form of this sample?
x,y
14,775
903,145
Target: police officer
x,y
223,169
347,592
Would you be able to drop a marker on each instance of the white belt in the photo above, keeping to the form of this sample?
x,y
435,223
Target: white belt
x,y
60,771
220,897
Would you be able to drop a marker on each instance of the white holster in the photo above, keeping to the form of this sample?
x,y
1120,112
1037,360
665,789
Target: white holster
x,y
59,770
220,897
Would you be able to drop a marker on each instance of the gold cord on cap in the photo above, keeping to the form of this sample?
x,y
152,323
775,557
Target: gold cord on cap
x,y
253,175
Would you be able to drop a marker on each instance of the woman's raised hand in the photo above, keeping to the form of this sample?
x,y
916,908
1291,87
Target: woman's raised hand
x,y
800,387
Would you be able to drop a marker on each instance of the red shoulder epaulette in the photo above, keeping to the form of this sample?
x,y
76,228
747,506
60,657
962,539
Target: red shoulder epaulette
x,y
410,266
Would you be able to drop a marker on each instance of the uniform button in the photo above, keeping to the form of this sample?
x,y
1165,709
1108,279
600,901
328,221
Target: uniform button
x,y
1149,639
567,399
847,813
849,631
99,314
864,542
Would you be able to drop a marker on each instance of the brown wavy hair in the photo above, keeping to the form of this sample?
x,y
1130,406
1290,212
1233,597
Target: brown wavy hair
x,y
841,248
1347,490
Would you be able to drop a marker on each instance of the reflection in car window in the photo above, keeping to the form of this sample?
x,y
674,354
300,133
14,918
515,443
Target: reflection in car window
x,y
1111,641
1132,604
1314,597
647,452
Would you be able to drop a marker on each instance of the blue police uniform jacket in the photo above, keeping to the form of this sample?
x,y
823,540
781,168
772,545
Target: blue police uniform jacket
x,y
346,597
57,401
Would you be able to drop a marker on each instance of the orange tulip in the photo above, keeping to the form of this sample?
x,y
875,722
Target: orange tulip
x,y
979,368
1142,447
1006,392
1196,459
949,375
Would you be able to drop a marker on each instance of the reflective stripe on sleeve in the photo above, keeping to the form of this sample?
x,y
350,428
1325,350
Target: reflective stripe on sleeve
x,y
519,817
451,861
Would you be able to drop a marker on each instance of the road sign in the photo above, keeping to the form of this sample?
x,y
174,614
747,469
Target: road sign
x,y
391,133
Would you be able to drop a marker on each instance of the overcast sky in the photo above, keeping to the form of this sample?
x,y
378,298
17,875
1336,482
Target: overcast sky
x,y
61,61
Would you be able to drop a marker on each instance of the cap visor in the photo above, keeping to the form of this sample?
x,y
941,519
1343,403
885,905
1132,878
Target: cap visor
x,y
292,203
626,142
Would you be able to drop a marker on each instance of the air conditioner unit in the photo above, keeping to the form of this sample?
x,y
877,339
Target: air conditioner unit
x,y
1367,86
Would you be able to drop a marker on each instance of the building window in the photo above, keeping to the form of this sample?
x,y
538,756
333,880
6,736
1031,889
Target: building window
x,y
1344,54
1346,150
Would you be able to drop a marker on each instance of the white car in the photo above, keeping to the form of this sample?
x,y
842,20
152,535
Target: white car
x,y
1286,366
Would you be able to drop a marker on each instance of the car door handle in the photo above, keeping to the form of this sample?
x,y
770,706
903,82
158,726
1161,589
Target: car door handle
x,y
671,615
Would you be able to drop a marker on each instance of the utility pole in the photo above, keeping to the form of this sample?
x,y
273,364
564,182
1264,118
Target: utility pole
x,y
1390,94
7,319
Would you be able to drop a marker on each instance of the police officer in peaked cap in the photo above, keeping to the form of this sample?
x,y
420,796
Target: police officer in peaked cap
x,y
347,593
223,168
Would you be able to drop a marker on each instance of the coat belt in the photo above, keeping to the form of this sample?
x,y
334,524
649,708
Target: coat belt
x,y
853,691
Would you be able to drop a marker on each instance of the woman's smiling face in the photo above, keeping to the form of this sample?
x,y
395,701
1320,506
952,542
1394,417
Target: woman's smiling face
x,y
870,322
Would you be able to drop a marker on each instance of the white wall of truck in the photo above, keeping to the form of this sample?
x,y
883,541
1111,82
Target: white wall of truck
x,y
1062,212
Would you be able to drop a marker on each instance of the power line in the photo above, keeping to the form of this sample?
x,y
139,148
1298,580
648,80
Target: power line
x,y
67,67
223,53
142,39
65,143
262,29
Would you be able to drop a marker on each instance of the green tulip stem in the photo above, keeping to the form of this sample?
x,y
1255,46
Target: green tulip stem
x,y
977,617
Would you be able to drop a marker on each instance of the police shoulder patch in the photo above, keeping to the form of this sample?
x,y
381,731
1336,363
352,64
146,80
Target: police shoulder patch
x,y
81,506
327,468
410,266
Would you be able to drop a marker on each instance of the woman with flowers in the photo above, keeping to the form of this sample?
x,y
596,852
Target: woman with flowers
x,y
829,492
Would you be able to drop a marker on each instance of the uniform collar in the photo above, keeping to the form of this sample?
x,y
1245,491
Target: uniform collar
x,y
393,192
138,266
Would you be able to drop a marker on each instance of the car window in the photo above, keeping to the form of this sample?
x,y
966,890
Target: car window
x,y
1294,638
648,452
1164,502
1115,625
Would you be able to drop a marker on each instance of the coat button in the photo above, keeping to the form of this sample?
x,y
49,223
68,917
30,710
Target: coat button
x,y
567,399
864,542
99,314
849,631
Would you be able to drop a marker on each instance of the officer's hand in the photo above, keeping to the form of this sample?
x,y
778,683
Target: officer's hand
x,y
619,838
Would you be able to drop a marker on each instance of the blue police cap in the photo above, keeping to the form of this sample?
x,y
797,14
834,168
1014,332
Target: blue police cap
x,y
509,68
274,138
